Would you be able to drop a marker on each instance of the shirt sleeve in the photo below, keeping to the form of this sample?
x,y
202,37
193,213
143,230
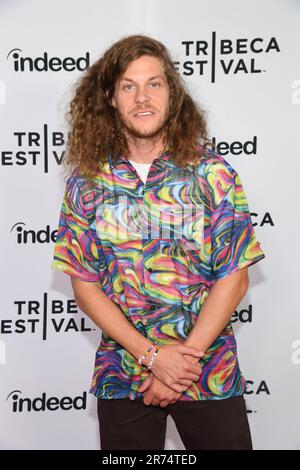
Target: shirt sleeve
x,y
75,249
234,241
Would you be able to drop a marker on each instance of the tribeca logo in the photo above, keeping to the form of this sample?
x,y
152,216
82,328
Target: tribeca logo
x,y
261,220
44,63
44,317
122,219
253,389
35,148
31,236
42,403
225,56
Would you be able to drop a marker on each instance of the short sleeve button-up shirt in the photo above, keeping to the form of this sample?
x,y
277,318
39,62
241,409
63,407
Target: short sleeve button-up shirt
x,y
157,249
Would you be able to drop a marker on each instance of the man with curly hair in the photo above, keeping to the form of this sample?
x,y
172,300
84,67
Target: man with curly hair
x,y
155,232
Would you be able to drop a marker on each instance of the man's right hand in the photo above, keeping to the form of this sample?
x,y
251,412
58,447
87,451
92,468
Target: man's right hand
x,y
173,369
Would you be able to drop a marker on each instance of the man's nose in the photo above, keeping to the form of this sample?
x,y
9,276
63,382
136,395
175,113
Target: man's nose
x,y
142,95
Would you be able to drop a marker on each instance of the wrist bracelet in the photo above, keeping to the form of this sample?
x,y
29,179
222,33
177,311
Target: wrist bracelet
x,y
152,359
145,354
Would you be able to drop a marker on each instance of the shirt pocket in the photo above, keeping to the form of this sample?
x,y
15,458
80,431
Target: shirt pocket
x,y
182,228
118,219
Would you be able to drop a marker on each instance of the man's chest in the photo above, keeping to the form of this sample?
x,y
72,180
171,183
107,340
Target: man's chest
x,y
169,207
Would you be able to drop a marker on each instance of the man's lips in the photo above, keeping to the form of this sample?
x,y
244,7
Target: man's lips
x,y
144,114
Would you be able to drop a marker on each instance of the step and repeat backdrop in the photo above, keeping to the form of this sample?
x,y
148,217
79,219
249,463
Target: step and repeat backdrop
x,y
240,61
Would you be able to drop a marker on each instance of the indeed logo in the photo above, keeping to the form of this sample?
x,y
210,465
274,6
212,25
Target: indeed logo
x,y
236,147
44,63
244,315
43,403
33,236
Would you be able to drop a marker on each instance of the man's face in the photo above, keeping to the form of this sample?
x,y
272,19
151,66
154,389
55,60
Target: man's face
x,y
142,98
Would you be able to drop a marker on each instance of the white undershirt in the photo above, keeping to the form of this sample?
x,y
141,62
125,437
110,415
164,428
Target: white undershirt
x,y
142,169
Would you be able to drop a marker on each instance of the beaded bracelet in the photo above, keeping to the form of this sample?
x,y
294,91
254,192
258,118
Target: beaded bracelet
x,y
152,359
140,361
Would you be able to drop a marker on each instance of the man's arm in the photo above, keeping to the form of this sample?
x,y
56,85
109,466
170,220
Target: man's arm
x,y
108,316
217,310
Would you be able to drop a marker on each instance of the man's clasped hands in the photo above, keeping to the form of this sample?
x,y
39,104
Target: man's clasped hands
x,y
173,371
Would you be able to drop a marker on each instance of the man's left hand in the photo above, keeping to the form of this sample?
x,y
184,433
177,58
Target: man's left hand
x,y
157,393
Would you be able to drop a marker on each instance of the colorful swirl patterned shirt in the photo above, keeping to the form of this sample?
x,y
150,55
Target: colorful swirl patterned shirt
x,y
157,249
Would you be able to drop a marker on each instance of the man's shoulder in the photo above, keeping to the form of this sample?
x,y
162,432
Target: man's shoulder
x,y
83,192
211,164
77,181
216,174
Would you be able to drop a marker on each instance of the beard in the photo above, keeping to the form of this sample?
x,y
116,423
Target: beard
x,y
136,133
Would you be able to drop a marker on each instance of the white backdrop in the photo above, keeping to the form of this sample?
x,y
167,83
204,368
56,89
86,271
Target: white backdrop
x,y
250,88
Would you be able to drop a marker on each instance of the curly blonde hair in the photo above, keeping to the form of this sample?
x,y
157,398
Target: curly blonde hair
x,y
94,128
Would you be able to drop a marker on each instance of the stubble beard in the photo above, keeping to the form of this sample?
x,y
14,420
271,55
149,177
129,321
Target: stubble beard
x,y
134,133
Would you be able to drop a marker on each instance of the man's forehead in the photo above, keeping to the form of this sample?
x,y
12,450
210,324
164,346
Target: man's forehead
x,y
154,77
146,66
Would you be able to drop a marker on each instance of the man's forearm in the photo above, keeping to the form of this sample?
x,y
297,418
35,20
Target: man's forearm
x,y
217,310
109,317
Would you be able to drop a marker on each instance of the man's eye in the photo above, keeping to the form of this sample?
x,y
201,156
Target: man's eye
x,y
154,85
129,86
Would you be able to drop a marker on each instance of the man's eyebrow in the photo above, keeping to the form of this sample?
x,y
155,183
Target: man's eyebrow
x,y
151,78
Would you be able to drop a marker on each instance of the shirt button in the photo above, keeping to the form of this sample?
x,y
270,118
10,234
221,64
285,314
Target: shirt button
x,y
144,321
152,307
149,269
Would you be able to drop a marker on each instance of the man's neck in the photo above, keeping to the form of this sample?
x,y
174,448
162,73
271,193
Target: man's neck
x,y
144,150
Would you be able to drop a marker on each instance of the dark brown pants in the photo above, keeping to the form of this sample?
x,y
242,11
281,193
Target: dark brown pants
x,y
202,425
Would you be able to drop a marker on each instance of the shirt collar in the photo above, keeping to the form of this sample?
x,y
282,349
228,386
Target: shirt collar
x,y
165,156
